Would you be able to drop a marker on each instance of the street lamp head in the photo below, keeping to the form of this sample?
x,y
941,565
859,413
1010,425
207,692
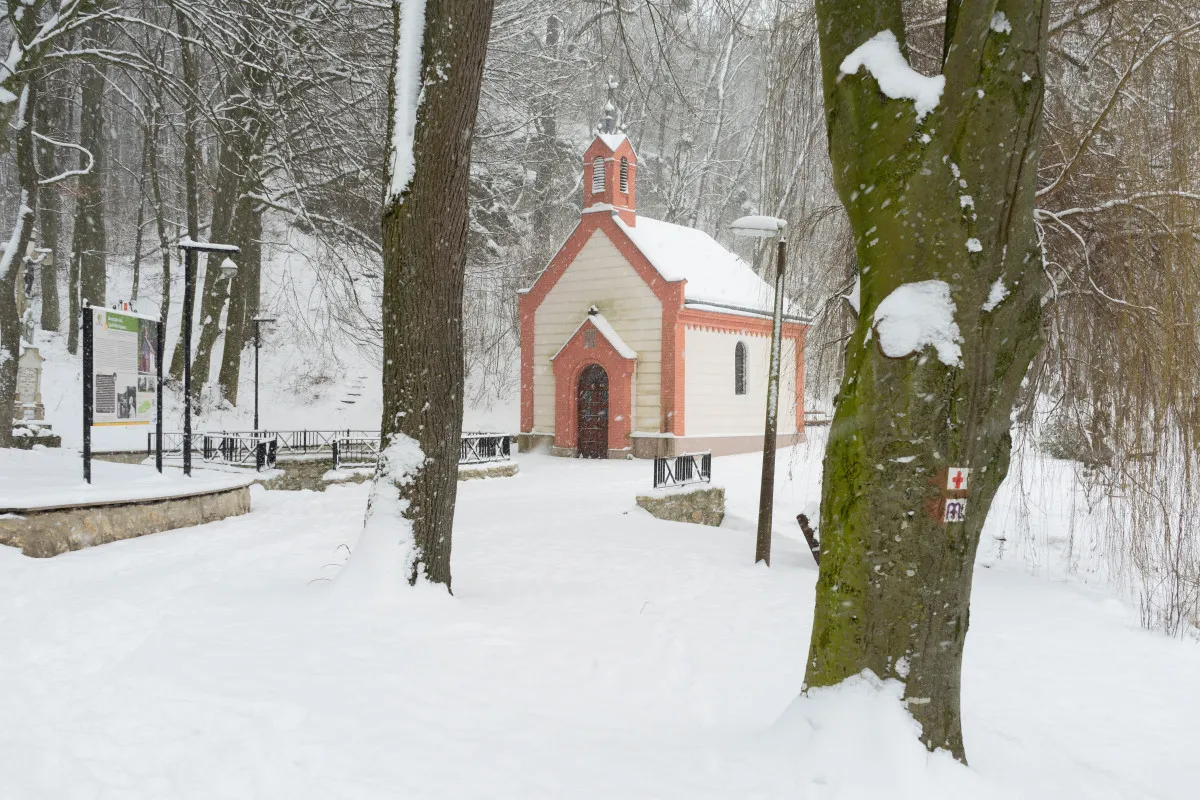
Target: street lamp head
x,y
265,319
759,227
228,268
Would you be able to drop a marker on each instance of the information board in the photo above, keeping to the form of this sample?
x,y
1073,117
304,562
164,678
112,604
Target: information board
x,y
124,368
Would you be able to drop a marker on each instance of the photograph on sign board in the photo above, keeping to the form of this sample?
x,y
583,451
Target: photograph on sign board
x,y
147,344
147,369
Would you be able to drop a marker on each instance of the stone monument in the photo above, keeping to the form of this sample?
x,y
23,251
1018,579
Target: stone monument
x,y
29,385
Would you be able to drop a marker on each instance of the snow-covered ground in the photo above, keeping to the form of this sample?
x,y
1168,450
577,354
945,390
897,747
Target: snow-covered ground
x,y
45,478
589,651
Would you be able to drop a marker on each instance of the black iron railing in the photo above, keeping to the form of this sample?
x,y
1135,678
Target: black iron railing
x,y
312,441
484,448
683,469
349,447
258,449
173,443
350,451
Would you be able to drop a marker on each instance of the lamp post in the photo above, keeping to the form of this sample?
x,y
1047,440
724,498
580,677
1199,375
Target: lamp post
x,y
769,228
258,321
190,248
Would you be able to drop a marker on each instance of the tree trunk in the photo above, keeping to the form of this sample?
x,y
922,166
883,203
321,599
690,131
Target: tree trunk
x,y
91,239
947,198
160,224
216,288
246,234
52,119
191,158
14,252
424,252
242,142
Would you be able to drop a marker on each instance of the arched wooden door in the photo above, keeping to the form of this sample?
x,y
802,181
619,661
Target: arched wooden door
x,y
591,402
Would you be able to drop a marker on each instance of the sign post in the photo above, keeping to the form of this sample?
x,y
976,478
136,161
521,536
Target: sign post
x,y
87,393
158,400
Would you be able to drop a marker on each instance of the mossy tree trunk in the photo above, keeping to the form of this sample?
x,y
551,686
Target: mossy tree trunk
x,y
895,581
424,256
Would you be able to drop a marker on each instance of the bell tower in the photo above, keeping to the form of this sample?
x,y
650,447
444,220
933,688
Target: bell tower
x,y
610,167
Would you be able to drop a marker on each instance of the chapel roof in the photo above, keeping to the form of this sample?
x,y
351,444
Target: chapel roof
x,y
715,277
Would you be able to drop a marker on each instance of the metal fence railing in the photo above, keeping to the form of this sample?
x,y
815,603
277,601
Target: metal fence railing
x,y
313,441
173,443
259,449
351,451
349,447
485,448
683,469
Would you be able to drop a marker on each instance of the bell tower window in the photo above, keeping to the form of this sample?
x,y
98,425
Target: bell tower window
x,y
597,175
624,175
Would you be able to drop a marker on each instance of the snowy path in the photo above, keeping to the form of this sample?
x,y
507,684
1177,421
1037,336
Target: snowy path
x,y
589,652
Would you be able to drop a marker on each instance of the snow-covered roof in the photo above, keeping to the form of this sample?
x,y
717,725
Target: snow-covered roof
x,y
713,274
607,331
611,140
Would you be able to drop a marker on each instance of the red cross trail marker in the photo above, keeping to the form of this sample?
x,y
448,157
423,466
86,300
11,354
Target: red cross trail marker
x,y
956,479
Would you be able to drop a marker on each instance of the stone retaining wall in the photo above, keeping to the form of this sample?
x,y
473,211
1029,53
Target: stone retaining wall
x,y
49,532
702,505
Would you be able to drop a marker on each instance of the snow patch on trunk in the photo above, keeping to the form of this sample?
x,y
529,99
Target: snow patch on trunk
x,y
407,82
855,296
882,57
996,296
916,315
383,557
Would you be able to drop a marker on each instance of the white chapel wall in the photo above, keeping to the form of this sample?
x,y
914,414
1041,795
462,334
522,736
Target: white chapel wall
x,y
600,276
711,407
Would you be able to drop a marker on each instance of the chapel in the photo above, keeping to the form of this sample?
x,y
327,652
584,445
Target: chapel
x,y
648,338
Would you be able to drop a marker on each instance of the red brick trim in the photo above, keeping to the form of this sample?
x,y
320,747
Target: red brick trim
x,y
568,364
801,340
624,203
525,311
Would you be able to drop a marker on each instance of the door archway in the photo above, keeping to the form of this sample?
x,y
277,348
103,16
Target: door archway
x,y
591,404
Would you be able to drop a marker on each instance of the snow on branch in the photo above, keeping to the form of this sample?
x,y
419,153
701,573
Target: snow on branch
x,y
71,172
882,57
407,90
1119,202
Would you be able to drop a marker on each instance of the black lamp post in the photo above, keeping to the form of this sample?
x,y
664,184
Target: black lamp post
x,y
769,228
228,269
258,321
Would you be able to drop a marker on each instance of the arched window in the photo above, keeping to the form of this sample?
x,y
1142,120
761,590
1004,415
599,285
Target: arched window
x,y
739,368
598,175
624,175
